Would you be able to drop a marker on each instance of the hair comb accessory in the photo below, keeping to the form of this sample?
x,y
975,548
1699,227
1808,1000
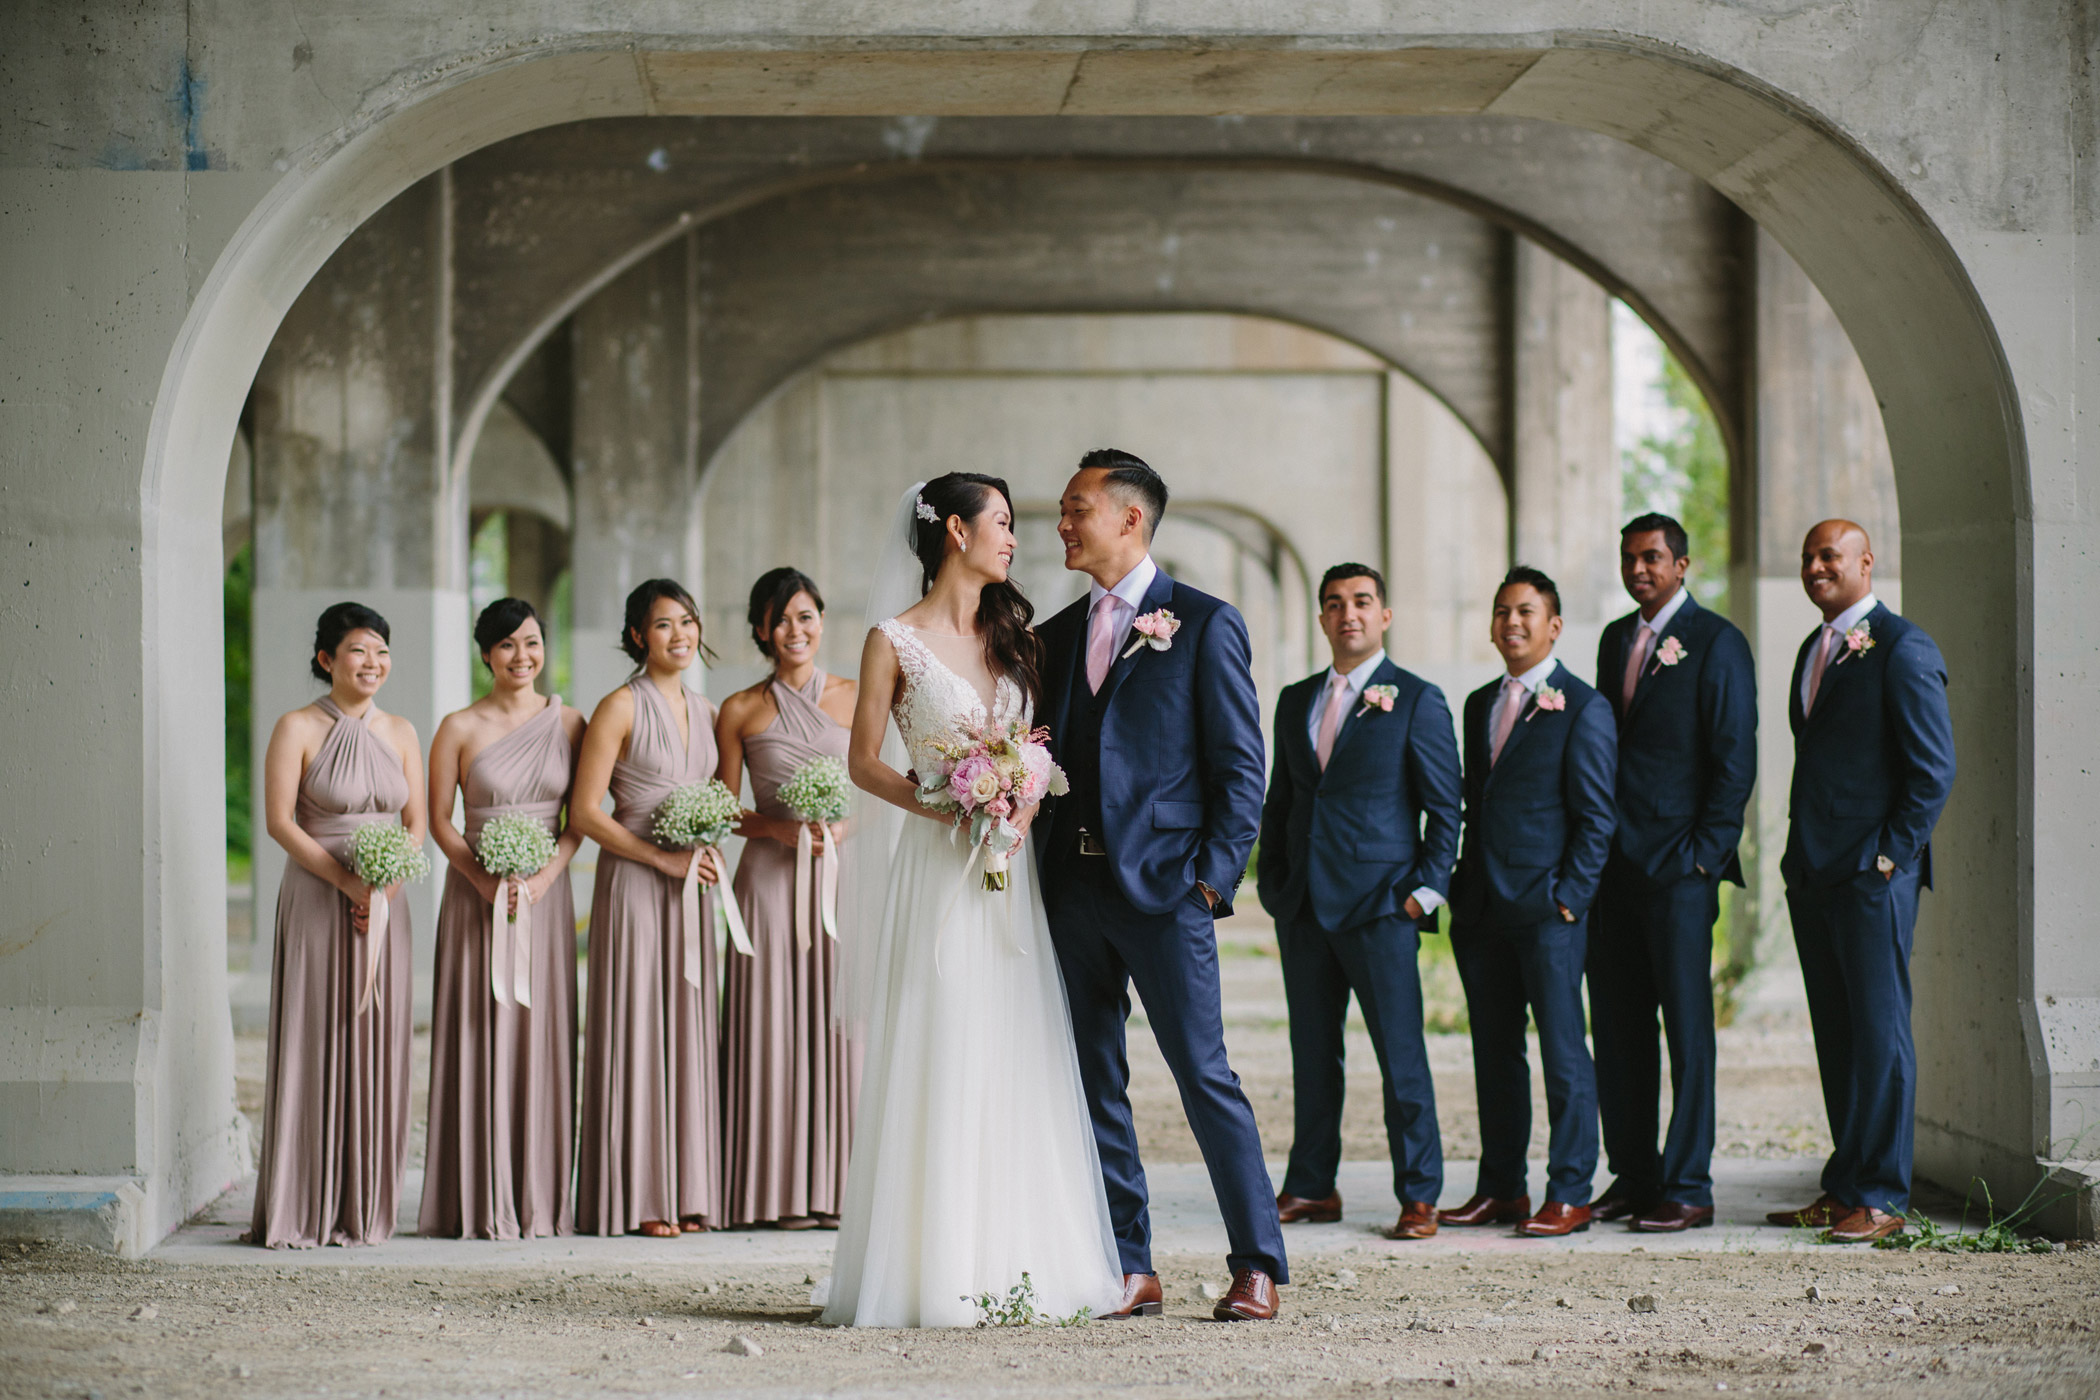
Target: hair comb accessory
x,y
926,512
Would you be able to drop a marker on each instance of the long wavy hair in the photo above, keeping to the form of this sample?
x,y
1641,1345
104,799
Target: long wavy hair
x,y
1003,610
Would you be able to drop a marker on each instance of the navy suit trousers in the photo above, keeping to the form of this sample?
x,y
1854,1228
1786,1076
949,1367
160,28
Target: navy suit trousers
x,y
1104,946
1504,971
1378,961
1854,942
1651,950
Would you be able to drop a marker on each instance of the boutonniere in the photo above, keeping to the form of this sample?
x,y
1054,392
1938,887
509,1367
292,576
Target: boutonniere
x,y
1378,695
1546,698
1670,652
1155,629
1859,639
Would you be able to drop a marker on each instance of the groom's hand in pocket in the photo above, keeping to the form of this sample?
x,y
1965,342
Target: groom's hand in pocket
x,y
1210,896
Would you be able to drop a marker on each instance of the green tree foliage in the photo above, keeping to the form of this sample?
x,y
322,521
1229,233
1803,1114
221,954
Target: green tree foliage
x,y
238,589
1684,472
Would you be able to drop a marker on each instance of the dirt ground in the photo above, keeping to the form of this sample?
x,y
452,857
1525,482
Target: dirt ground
x,y
1371,1321
1365,1318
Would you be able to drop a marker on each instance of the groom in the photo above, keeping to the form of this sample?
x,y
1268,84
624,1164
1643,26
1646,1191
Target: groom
x,y
1152,714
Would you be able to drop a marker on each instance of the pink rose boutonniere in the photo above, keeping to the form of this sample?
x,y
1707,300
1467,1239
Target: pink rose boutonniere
x,y
1548,698
1380,696
1155,629
1860,638
1670,652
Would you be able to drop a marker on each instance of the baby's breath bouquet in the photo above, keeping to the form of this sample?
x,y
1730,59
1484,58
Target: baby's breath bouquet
x,y
515,845
818,791
698,814
383,856
693,816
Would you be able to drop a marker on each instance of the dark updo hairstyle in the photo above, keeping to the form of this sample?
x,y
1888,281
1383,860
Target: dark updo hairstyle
x,y
498,620
337,623
639,604
1003,611
770,596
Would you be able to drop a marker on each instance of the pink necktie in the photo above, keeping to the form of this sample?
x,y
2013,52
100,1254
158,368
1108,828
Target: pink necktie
x,y
1101,642
1637,662
1513,693
1824,647
1331,719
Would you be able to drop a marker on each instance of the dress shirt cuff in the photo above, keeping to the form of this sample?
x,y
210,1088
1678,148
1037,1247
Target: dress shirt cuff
x,y
1429,899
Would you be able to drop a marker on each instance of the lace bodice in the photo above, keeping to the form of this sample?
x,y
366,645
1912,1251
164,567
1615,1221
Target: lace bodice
x,y
937,702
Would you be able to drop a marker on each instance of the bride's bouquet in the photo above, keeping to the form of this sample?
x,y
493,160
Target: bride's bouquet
x,y
699,817
987,775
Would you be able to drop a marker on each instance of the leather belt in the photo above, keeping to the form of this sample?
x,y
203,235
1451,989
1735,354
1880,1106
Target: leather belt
x,y
1090,844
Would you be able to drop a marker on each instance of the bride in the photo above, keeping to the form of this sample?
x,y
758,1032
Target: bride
x,y
974,1159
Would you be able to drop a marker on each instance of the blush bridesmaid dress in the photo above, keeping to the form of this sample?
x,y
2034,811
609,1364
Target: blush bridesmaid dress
x,y
649,1145
335,1105
502,1075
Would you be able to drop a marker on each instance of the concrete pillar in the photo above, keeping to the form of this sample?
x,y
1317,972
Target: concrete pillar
x,y
1820,451
634,433
1565,504
351,503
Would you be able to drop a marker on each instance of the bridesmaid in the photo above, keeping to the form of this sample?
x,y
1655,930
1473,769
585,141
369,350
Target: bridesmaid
x,y
335,1115
502,1074
649,1148
789,1075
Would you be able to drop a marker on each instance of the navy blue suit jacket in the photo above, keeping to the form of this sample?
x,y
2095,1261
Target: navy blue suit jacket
x,y
1539,823
1380,823
1687,745
1181,749
1874,764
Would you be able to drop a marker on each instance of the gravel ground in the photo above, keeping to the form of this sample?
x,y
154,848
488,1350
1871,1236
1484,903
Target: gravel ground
x,y
1365,1318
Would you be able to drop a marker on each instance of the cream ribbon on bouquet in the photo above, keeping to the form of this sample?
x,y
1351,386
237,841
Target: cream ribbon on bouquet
x,y
828,875
510,946
375,943
689,906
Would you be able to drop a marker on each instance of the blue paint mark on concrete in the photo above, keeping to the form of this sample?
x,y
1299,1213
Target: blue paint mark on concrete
x,y
189,104
56,1200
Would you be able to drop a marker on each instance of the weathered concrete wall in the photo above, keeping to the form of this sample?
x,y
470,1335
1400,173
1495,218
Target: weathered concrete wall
x,y
1925,171
634,475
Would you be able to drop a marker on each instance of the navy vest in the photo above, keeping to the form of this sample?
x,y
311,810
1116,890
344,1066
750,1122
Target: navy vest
x,y
1079,751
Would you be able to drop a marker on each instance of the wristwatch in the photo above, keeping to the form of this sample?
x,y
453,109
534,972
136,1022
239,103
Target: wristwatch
x,y
1884,865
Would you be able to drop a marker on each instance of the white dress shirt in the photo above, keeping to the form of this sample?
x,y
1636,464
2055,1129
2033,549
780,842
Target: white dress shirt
x,y
1844,622
1532,679
1662,617
1129,592
1356,680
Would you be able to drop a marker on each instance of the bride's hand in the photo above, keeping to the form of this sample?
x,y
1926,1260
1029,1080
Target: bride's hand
x,y
1025,818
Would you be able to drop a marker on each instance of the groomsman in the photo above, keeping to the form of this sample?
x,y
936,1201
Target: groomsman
x,y
1873,764
1357,839
1684,690
1540,760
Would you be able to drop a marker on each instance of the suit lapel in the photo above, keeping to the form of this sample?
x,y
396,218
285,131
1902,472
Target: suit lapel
x,y
1291,719
1059,697
1844,662
1355,715
1794,709
1614,677
1127,658
1654,668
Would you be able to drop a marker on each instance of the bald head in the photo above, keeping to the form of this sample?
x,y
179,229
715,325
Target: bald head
x,y
1837,566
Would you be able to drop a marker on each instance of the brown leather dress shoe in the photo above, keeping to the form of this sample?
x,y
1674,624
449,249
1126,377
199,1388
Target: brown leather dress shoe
x,y
1863,1225
1617,1205
1555,1218
1824,1212
1293,1210
1668,1217
1486,1210
1417,1221
1141,1297
1252,1298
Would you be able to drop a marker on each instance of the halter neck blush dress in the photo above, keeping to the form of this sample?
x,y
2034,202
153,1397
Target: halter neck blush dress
x,y
502,1076
335,1105
789,1076
649,1146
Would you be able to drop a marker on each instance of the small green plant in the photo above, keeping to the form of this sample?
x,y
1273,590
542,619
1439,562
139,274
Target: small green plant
x,y
1999,1235
1017,1309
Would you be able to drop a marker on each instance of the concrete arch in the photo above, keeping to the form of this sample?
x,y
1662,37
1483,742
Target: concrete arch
x,y
1919,324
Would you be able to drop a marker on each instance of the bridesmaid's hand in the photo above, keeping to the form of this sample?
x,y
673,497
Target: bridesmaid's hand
x,y
711,867
816,836
673,863
484,885
360,896
536,888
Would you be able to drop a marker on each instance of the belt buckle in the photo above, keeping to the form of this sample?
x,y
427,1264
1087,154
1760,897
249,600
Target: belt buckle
x,y
1090,844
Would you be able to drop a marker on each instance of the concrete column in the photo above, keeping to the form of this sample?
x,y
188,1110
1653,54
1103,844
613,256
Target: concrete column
x,y
1566,504
634,434
351,503
1820,451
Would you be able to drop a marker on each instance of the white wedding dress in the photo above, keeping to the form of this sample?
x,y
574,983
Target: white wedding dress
x,y
973,1154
